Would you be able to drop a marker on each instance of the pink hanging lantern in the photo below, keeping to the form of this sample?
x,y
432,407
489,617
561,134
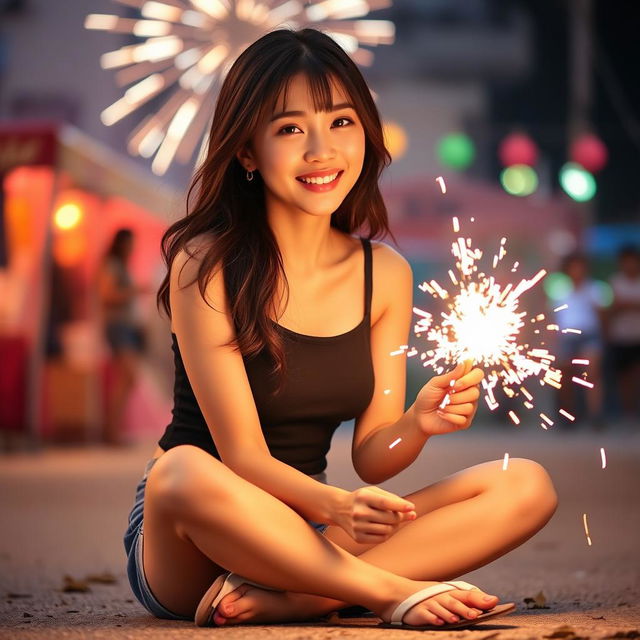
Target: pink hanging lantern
x,y
589,151
518,148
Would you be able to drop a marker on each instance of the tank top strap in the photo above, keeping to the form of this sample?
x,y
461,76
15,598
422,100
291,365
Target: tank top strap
x,y
366,244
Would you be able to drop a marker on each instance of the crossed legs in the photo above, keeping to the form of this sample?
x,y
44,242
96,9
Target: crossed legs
x,y
201,517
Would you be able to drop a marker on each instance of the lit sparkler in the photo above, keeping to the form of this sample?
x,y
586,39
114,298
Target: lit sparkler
x,y
188,47
482,322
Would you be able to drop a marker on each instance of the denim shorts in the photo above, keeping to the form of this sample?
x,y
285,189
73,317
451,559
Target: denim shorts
x,y
133,547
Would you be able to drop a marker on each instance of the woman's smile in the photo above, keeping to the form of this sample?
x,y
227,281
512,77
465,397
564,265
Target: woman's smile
x,y
321,184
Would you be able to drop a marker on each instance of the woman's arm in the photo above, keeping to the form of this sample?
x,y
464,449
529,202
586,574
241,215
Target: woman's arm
x,y
219,381
385,420
387,439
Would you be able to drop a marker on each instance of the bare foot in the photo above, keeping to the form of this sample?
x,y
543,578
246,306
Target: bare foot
x,y
252,604
451,606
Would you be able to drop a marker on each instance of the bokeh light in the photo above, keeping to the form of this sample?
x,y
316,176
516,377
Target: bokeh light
x,y
577,182
557,285
67,216
519,180
395,139
455,151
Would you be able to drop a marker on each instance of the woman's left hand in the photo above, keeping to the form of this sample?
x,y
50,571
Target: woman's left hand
x,y
463,400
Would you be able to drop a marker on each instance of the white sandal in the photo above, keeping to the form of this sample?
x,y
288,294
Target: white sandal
x,y
429,592
222,585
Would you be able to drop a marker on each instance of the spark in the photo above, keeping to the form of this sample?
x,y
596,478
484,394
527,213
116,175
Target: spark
x,y
447,399
579,361
586,528
546,419
567,415
604,457
184,50
561,307
584,383
572,331
505,462
456,224
395,442
443,186
399,352
387,392
481,321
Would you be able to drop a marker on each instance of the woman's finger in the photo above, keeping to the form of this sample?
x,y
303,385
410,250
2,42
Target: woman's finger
x,y
452,418
387,501
475,376
466,395
464,409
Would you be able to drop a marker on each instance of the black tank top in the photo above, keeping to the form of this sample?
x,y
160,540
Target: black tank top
x,y
329,380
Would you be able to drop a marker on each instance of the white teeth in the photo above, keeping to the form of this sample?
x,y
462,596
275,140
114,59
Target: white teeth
x,y
324,180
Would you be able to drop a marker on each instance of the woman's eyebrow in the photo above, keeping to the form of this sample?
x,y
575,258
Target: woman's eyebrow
x,y
286,114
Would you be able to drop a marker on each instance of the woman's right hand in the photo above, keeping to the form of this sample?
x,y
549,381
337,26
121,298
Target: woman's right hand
x,y
372,515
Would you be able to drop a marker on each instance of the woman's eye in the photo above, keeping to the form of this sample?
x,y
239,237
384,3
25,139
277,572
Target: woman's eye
x,y
284,130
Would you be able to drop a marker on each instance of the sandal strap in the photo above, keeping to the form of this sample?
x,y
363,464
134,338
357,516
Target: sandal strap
x,y
424,594
415,598
461,584
232,582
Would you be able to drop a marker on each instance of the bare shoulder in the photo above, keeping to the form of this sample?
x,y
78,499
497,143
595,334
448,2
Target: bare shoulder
x,y
186,264
392,279
390,267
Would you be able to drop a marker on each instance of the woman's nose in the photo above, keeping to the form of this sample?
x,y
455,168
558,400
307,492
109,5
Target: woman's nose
x,y
320,147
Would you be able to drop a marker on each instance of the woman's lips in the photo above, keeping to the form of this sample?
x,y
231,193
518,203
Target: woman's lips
x,y
321,188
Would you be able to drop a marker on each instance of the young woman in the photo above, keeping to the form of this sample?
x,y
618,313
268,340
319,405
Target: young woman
x,y
283,322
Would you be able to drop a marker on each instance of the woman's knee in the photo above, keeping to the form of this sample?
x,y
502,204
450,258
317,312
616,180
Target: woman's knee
x,y
184,476
531,488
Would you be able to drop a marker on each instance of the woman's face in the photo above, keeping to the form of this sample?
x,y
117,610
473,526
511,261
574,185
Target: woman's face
x,y
306,143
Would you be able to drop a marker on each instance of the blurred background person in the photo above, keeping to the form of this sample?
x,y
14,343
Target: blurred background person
x,y
624,330
583,313
122,330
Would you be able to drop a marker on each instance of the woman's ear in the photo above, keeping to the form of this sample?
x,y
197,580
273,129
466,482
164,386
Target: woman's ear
x,y
245,158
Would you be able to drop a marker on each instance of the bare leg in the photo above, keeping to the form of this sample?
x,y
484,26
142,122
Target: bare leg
x,y
511,507
199,513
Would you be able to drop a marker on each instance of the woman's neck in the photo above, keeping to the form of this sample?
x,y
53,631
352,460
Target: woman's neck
x,y
307,243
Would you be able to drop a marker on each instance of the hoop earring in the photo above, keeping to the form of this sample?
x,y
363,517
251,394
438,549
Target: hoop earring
x,y
249,176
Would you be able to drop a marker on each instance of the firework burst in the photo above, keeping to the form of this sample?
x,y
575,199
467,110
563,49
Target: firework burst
x,y
188,47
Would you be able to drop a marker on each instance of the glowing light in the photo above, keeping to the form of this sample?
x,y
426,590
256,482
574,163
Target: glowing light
x,y
604,458
557,286
387,392
519,180
566,414
455,150
443,186
456,224
586,528
579,361
505,462
189,48
395,442
584,383
67,216
482,322
577,182
395,139
561,307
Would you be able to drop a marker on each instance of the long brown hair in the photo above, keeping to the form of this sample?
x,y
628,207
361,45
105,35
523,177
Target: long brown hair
x,y
233,211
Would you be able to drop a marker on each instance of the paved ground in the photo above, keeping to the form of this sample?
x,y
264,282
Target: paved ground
x,y
63,511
